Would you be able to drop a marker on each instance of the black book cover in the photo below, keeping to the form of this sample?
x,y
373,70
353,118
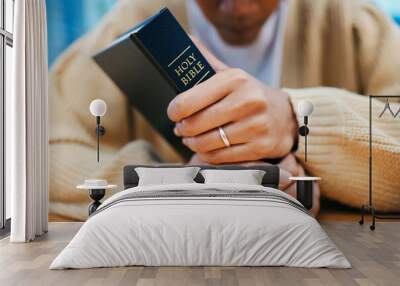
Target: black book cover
x,y
151,64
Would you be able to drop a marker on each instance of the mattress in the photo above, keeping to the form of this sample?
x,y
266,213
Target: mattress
x,y
201,225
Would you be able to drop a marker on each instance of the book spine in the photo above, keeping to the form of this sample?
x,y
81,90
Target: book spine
x,y
170,48
156,64
189,67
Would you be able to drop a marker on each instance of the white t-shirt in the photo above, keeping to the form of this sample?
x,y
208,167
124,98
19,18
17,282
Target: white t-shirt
x,y
262,58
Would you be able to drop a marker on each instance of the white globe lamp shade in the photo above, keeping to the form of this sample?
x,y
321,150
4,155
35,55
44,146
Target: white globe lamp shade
x,y
98,107
305,108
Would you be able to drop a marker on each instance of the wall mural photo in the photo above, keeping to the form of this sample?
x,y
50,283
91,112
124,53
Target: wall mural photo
x,y
128,86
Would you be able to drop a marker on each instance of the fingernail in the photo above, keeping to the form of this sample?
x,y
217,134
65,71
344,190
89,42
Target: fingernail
x,y
185,141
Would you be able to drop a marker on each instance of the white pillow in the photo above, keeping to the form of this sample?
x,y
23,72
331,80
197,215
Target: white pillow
x,y
163,176
247,177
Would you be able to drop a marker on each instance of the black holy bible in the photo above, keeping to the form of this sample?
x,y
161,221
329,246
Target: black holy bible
x,y
151,64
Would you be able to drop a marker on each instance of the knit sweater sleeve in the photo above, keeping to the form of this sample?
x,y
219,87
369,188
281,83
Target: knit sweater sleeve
x,y
339,139
338,147
75,81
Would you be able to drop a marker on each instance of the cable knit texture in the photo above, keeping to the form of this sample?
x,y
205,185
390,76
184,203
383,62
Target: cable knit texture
x,y
335,53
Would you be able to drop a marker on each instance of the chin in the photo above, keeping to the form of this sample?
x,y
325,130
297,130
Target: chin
x,y
239,38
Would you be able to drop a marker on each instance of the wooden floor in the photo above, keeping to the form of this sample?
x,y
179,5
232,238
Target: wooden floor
x,y
375,257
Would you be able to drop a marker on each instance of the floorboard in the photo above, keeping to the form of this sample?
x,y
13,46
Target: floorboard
x,y
375,257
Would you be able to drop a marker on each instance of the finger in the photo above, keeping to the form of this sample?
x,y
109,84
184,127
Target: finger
x,y
236,153
197,143
255,149
231,108
195,160
207,119
215,63
204,94
237,133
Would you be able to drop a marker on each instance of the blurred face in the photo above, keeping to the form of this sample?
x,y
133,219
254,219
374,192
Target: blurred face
x,y
238,21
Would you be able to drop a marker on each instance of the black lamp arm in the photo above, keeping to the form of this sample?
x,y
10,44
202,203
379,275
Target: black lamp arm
x,y
303,131
100,131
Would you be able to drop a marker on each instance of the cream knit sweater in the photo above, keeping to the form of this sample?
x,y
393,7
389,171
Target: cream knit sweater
x,y
335,53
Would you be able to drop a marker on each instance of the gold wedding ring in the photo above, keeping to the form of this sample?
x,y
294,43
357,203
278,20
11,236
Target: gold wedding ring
x,y
223,136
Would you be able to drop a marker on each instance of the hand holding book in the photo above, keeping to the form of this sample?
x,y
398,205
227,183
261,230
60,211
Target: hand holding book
x,y
151,64
223,114
257,120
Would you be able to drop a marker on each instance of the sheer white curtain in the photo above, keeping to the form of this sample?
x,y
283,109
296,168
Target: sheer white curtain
x,y
26,124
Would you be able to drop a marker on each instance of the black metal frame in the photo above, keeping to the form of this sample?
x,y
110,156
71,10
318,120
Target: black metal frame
x,y
370,207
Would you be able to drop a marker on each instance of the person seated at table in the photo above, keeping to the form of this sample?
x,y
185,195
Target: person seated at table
x,y
269,55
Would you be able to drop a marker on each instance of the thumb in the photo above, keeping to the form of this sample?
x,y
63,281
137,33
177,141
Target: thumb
x,y
215,63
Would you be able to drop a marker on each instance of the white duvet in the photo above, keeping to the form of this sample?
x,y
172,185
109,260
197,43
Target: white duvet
x,y
206,230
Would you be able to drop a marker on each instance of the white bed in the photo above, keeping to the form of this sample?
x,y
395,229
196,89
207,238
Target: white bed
x,y
201,224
